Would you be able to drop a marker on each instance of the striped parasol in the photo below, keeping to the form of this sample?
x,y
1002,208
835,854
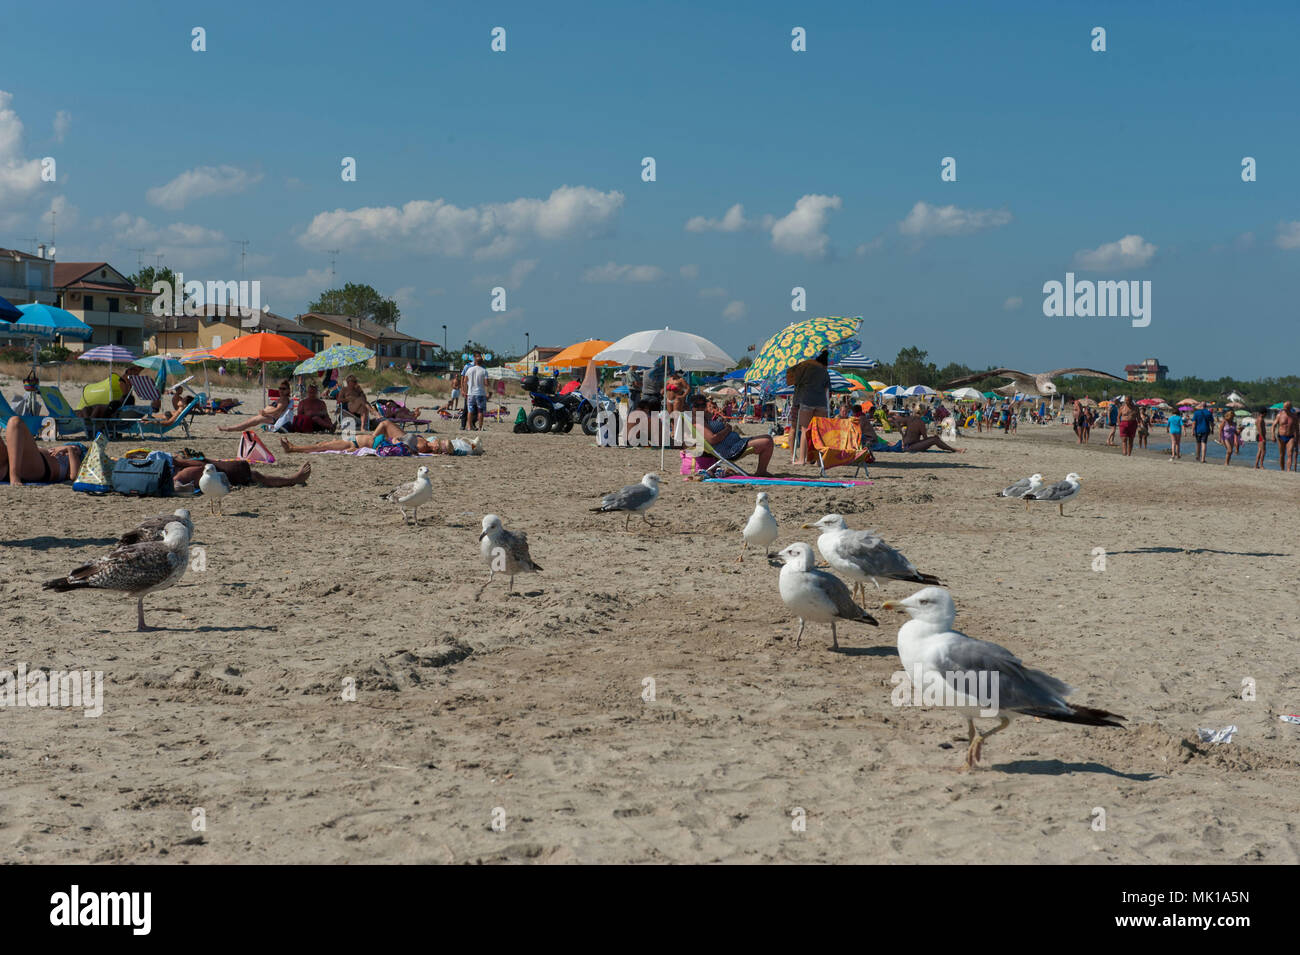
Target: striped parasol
x,y
196,355
857,360
113,354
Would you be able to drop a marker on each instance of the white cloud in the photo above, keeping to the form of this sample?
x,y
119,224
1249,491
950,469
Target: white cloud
x,y
803,230
291,294
610,272
520,271
714,292
732,221
734,311
483,328
875,245
1013,303
62,123
182,245
405,298
926,221
1288,235
201,182
1130,252
690,271
130,228
491,230
19,177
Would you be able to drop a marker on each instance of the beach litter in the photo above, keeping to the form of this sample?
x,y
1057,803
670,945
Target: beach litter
x,y
1217,736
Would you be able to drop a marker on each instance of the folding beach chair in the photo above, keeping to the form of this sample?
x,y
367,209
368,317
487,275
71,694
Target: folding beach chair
x,y
838,443
144,388
143,427
65,419
695,439
33,422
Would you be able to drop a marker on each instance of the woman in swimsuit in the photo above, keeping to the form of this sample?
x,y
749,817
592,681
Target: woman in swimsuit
x,y
1261,439
1144,428
1128,425
1228,435
23,462
270,414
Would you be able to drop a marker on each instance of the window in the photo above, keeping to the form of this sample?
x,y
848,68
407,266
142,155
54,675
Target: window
x,y
119,336
112,305
89,303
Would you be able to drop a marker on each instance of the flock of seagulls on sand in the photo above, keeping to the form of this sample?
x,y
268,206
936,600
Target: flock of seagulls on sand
x,y
154,555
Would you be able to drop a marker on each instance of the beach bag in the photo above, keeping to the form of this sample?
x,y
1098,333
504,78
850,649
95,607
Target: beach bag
x,y
691,464
252,449
96,473
521,423
398,450
144,477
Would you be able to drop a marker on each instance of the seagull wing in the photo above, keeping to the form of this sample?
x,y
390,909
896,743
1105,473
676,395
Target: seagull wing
x,y
150,529
516,545
872,556
1016,376
630,498
1052,491
837,596
131,568
1089,372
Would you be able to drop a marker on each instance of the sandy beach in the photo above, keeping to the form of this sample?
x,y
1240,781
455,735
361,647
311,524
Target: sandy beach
x,y
528,710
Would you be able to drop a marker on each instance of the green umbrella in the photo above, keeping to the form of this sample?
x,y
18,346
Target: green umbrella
x,y
802,341
154,362
336,356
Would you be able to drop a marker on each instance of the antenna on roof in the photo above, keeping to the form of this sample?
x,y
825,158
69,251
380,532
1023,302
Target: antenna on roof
x,y
243,254
139,260
333,253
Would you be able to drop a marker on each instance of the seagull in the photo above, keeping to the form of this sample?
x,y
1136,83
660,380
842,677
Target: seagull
x,y
412,494
1060,492
137,569
863,555
1035,385
761,529
635,498
1022,487
152,529
214,485
934,654
814,594
505,551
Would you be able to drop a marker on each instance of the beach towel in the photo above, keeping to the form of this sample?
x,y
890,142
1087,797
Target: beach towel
x,y
790,482
252,449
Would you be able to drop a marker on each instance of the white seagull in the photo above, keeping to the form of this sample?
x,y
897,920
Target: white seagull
x,y
936,656
505,551
412,494
863,555
1058,493
634,499
1039,385
761,529
1022,487
153,528
813,594
214,485
136,569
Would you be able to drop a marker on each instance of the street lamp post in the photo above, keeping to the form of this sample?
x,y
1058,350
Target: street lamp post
x,y
444,339
528,346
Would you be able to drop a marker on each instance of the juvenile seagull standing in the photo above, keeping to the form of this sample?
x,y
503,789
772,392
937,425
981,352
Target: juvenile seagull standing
x,y
634,499
814,594
761,529
136,569
863,555
1060,492
505,551
1022,487
932,651
152,529
214,485
412,494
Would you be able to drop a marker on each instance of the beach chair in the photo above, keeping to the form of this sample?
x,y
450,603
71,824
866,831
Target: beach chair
x,y
143,387
144,428
838,443
695,439
33,421
65,419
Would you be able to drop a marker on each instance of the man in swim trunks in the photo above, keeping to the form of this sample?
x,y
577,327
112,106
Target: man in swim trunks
x,y
312,415
22,461
385,433
240,473
915,439
1128,425
1286,428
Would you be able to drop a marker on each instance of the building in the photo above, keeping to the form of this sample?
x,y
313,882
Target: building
x,y
116,310
219,324
388,344
27,278
539,355
1148,370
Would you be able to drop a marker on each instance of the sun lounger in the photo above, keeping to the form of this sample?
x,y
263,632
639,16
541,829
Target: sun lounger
x,y
145,428
33,422
66,420
838,443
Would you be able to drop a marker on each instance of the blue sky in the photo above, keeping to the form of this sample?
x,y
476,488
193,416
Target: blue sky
x,y
523,169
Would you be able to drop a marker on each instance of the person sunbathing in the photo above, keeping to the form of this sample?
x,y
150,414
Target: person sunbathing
x,y
312,415
167,417
397,412
22,461
353,399
914,438
385,433
239,472
727,441
269,415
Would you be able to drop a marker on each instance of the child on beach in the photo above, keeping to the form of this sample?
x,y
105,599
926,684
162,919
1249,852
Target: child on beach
x,y
1228,435
1175,436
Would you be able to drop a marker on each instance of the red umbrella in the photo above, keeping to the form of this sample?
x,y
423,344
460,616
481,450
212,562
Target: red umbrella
x,y
263,346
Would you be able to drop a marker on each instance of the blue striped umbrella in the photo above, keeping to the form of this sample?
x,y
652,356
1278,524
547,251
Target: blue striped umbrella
x,y
114,354
857,360
47,321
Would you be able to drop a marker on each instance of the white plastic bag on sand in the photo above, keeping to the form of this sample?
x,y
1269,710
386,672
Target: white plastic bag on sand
x,y
1217,736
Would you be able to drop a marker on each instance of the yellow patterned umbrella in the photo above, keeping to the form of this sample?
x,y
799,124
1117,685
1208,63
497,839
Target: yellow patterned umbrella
x,y
802,341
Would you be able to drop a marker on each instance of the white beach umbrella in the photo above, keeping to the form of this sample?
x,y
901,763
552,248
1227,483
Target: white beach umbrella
x,y
690,352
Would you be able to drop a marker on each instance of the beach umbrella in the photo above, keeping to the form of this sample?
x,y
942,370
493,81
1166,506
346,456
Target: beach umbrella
x,y
8,311
580,354
731,375
113,354
1276,407
263,346
917,391
857,360
839,383
1151,402
893,391
967,394
876,385
1181,402
336,356
196,355
171,365
46,321
803,341
643,349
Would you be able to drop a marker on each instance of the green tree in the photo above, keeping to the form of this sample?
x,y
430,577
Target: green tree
x,y
359,301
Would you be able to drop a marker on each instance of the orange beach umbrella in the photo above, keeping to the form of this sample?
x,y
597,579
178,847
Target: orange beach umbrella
x,y
263,346
579,354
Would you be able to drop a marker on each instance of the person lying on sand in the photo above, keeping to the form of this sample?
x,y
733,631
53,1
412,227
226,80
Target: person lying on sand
x,y
914,438
269,415
239,472
23,462
385,433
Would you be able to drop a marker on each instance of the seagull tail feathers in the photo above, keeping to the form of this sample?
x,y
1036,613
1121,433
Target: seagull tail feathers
x,y
63,583
1084,715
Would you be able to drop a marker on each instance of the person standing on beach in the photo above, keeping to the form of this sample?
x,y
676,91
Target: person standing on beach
x,y
475,378
1080,418
1127,419
1175,435
1144,428
1112,419
812,388
455,390
1228,435
1285,429
1202,425
1261,439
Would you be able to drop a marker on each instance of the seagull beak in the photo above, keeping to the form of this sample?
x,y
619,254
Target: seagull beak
x,y
483,535
891,605
809,526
